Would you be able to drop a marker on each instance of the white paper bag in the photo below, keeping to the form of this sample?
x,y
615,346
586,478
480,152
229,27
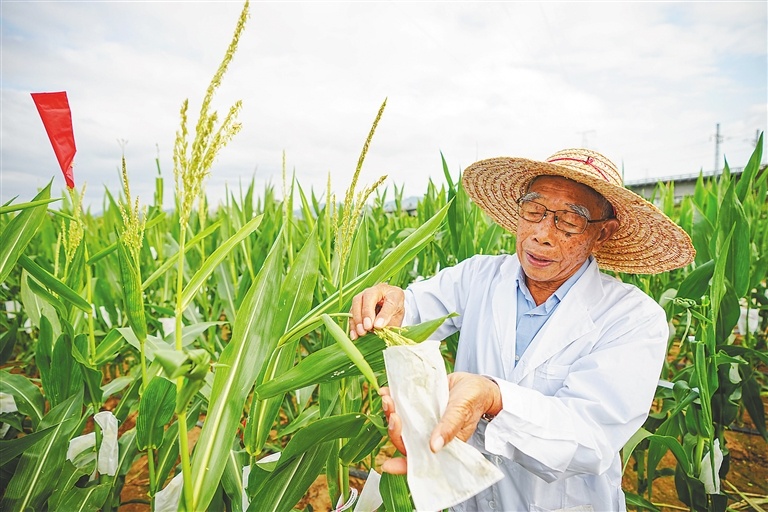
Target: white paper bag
x,y
419,387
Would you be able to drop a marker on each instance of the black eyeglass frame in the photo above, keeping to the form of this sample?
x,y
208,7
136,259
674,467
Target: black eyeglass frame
x,y
556,216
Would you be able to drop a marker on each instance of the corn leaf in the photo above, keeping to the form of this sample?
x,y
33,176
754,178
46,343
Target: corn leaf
x,y
395,493
362,445
750,170
27,396
69,496
325,429
331,362
24,206
695,285
170,262
396,259
238,367
213,261
639,502
155,411
19,232
54,284
288,483
35,476
295,300
12,448
109,347
232,480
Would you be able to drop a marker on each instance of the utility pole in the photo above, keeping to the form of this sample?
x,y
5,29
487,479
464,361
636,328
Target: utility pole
x,y
584,137
718,140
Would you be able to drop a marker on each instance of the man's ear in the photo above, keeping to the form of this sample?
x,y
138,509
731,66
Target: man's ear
x,y
607,229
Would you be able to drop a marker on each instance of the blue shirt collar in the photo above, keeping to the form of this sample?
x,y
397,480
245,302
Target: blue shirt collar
x,y
559,294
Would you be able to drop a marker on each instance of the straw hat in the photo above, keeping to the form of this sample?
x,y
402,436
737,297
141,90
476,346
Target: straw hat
x,y
646,242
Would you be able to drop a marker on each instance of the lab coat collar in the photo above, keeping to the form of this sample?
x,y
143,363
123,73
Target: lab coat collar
x,y
570,321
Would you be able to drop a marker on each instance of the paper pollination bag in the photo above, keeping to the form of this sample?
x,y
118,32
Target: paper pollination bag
x,y
419,387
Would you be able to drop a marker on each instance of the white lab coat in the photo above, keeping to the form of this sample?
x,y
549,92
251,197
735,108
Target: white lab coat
x,y
580,390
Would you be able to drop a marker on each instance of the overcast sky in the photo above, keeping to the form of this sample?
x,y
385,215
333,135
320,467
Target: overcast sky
x,y
643,83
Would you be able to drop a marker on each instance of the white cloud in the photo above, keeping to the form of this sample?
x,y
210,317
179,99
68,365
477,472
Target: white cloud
x,y
643,82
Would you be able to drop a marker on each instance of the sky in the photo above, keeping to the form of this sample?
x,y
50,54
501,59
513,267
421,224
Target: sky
x,y
644,83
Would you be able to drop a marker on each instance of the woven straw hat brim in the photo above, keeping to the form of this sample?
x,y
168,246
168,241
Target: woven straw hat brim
x,y
646,242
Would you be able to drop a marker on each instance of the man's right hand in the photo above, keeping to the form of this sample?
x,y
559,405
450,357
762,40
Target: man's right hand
x,y
377,306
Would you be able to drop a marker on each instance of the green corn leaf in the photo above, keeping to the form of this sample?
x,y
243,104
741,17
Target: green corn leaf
x,y
167,455
239,366
155,411
673,445
9,449
19,232
362,445
46,296
718,277
629,447
65,376
9,338
752,401
44,355
307,416
35,476
85,499
9,208
232,479
745,184
115,386
54,284
68,477
394,260
109,347
332,363
695,285
289,482
350,349
27,396
325,429
295,300
395,493
70,497
225,287
171,262
357,262
75,278
639,502
213,261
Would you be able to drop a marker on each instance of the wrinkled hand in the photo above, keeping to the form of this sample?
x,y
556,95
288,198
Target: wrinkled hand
x,y
469,397
377,306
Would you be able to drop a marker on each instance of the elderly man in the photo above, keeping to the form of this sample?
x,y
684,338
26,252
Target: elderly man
x,y
557,363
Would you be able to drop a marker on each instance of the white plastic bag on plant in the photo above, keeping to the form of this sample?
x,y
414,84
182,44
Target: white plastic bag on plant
x,y
711,482
370,498
7,404
419,386
167,499
108,452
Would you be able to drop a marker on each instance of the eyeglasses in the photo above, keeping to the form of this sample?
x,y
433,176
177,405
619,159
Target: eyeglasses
x,y
567,221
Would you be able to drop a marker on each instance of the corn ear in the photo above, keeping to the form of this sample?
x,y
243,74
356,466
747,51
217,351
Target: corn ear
x,y
134,298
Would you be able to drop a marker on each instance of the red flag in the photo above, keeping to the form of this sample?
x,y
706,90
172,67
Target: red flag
x,y
57,119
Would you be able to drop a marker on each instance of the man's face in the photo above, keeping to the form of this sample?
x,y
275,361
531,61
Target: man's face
x,y
548,255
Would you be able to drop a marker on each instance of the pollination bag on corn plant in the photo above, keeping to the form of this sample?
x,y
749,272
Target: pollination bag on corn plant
x,y
419,386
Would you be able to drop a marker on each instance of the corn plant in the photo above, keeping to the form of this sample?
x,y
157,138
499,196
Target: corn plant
x,y
714,375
